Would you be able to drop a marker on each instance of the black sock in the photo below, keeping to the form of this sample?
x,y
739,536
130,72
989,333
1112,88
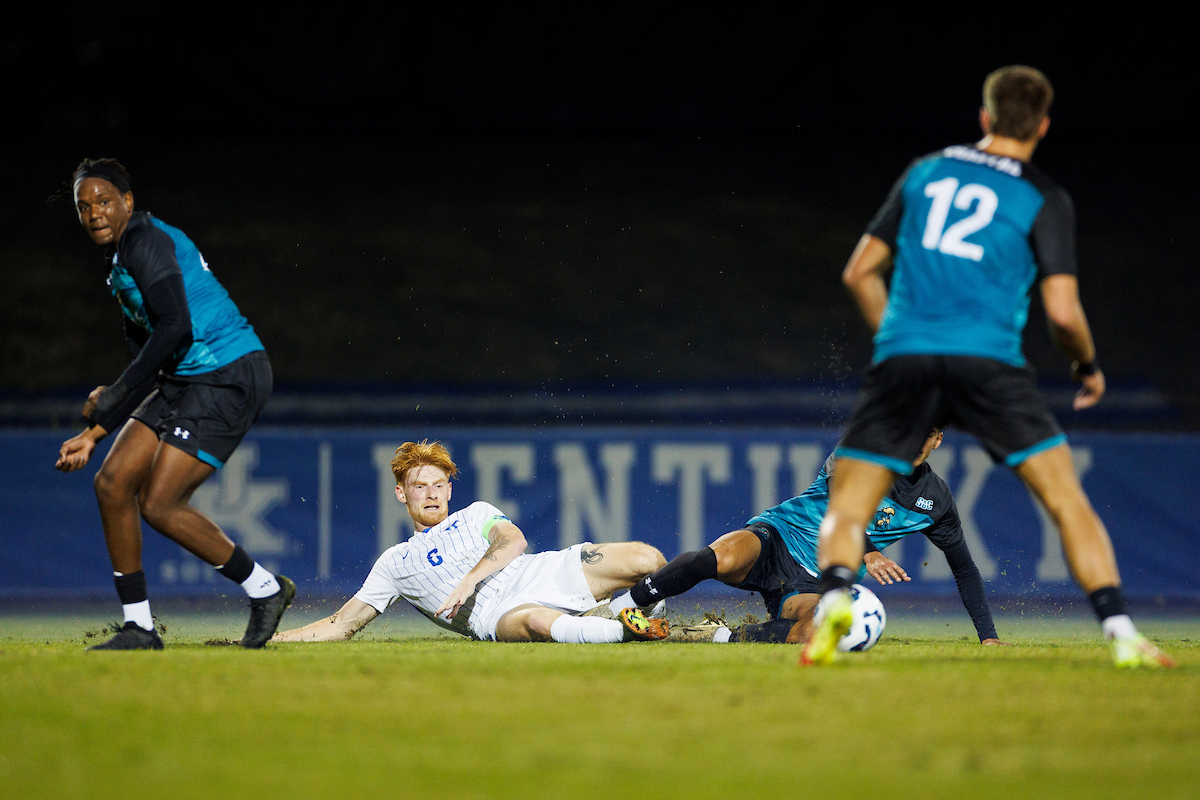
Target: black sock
x,y
836,578
775,630
131,588
1108,602
684,572
238,567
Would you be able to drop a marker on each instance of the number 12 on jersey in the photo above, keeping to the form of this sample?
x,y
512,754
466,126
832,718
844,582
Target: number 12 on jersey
x,y
945,193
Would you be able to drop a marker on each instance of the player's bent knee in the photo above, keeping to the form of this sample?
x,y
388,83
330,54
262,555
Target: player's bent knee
x,y
651,558
526,624
110,488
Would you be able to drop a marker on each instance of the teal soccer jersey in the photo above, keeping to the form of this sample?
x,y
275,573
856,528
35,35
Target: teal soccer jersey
x,y
916,503
149,251
970,232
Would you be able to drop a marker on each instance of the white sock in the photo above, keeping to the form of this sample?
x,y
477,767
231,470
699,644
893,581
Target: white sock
x,y
139,613
1118,627
722,635
586,630
260,584
621,602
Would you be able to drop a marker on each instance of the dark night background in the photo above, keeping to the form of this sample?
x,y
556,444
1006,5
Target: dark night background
x,y
541,199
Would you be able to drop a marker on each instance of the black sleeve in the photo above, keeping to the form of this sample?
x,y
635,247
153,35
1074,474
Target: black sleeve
x,y
167,308
118,401
136,336
970,589
885,224
1053,234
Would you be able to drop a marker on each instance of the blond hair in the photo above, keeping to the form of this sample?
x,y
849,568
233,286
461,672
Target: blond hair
x,y
412,455
1017,98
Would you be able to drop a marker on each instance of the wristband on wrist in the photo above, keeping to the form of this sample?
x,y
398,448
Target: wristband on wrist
x,y
1084,368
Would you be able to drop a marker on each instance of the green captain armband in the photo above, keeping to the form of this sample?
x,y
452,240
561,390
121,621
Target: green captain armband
x,y
489,524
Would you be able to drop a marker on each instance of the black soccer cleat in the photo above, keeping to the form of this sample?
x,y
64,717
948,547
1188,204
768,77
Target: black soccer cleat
x,y
266,612
131,636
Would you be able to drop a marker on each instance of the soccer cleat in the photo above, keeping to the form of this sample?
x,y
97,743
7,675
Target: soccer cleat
x,y
266,612
604,611
700,632
131,636
639,628
836,617
1133,652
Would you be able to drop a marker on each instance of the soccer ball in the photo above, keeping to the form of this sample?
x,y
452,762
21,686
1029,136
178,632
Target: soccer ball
x,y
869,619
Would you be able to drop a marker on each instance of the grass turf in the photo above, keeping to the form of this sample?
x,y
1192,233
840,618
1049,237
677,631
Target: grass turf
x,y
406,712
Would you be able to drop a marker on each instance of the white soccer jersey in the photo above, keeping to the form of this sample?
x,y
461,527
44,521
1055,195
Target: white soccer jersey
x,y
426,568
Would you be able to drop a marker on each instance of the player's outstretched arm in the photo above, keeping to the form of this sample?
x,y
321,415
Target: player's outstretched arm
x,y
507,543
349,620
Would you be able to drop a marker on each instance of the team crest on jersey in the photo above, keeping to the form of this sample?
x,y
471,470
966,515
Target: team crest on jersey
x,y
883,517
924,505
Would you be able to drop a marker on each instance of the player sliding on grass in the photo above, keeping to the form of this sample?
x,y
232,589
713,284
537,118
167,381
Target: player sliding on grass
x,y
969,229
467,572
198,380
776,556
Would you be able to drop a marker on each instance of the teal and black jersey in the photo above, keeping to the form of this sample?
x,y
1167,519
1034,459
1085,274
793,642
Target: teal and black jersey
x,y
148,252
970,232
920,502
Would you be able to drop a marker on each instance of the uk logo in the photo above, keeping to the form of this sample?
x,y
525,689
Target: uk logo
x,y
924,505
181,433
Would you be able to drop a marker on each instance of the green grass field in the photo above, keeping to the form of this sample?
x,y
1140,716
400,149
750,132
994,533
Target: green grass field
x,y
407,712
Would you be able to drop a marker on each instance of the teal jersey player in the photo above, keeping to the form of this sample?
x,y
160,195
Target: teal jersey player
x,y
971,231
219,333
919,502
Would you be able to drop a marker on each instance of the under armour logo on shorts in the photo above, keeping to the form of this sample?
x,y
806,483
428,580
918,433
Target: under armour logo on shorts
x,y
181,433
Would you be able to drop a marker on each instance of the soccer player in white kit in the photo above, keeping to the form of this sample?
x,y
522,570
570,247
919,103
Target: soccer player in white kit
x,y
467,572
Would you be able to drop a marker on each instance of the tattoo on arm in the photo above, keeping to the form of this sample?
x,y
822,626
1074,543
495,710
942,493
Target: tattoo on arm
x,y
591,555
499,543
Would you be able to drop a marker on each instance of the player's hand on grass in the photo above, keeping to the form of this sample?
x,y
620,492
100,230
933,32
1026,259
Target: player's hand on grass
x,y
997,642
883,569
460,595
1091,391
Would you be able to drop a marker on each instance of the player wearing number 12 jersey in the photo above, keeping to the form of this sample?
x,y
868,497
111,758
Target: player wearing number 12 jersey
x,y
968,230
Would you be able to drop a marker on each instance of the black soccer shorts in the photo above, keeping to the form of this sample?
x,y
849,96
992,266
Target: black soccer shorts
x,y
775,574
207,415
904,397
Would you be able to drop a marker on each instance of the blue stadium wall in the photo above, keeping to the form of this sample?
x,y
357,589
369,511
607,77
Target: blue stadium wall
x,y
318,504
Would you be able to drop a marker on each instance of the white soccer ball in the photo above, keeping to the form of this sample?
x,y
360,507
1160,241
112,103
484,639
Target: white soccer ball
x,y
869,619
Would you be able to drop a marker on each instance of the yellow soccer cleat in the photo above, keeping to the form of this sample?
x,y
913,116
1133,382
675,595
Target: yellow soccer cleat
x,y
639,628
1134,652
834,617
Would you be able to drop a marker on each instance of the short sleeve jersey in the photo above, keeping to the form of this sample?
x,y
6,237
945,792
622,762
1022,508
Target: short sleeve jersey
x,y
426,568
150,250
969,233
917,503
